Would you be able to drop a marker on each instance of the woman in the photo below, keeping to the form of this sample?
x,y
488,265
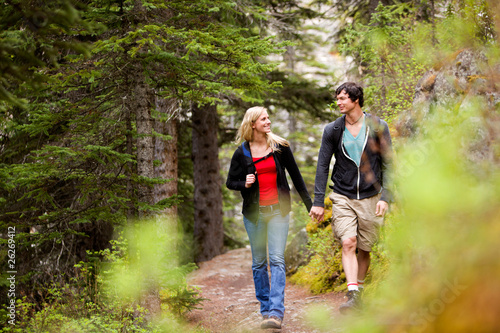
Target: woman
x,y
258,171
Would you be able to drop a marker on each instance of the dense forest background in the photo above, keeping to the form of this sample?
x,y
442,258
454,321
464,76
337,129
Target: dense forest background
x,y
116,127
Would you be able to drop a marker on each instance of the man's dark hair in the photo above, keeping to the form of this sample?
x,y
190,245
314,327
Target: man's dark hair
x,y
354,91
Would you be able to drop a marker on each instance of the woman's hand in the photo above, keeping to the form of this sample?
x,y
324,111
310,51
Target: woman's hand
x,y
250,180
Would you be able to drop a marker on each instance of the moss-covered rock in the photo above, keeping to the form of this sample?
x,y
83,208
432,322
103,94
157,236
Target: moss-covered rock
x,y
323,272
297,252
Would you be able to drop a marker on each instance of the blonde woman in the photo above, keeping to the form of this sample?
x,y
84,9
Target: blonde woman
x,y
258,171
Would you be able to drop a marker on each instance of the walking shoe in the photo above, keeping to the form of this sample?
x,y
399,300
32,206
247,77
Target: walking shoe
x,y
353,302
264,319
271,322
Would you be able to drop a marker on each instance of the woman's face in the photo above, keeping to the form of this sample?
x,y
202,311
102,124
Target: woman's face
x,y
262,124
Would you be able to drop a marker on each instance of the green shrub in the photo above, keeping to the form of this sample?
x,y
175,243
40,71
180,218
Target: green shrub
x,y
106,294
384,52
324,272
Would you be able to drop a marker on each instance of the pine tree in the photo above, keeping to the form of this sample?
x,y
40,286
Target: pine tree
x,y
87,155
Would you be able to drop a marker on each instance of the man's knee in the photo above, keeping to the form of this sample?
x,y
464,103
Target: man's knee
x,y
349,244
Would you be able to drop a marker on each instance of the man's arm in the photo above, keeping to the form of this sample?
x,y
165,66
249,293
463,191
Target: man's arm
x,y
322,170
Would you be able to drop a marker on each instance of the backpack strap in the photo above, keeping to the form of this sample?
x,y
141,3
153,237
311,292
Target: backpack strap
x,y
337,129
247,153
337,132
262,158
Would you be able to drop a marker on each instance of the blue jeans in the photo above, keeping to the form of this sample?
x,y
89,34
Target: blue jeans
x,y
271,230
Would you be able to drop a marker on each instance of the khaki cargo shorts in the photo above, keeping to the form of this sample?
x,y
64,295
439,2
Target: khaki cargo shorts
x,y
353,217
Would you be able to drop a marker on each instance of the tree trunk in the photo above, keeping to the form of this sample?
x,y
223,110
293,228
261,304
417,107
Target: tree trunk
x,y
131,193
495,14
142,104
166,152
433,22
208,226
290,58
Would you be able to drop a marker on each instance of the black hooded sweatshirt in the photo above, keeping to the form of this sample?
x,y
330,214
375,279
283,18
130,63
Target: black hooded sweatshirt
x,y
242,165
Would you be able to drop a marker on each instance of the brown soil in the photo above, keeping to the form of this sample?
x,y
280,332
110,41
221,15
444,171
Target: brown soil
x,y
226,281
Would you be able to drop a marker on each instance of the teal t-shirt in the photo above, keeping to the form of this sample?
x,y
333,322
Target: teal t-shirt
x,y
354,145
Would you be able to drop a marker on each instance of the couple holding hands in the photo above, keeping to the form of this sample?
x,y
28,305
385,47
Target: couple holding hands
x,y
361,144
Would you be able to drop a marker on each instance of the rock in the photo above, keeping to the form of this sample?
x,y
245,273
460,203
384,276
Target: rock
x,y
465,75
297,253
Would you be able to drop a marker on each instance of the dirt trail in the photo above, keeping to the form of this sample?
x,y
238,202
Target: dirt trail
x,y
227,282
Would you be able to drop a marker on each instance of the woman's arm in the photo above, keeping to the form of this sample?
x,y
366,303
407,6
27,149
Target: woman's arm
x,y
236,176
296,176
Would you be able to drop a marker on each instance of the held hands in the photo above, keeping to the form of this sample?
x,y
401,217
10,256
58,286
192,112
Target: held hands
x,y
317,213
250,180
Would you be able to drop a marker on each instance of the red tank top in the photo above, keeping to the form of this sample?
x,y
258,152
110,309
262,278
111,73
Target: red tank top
x,y
266,174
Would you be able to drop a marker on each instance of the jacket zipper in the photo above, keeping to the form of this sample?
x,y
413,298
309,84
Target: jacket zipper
x,y
357,166
256,178
277,186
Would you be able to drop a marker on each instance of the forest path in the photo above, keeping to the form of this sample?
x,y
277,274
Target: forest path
x,y
226,281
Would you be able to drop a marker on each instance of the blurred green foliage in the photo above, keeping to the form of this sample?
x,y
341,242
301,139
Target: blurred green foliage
x,y
445,237
440,242
437,268
383,52
110,291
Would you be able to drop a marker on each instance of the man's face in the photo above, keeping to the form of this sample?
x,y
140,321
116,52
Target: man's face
x,y
345,103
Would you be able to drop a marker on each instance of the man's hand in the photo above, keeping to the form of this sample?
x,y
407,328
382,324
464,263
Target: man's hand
x,y
250,180
317,213
382,208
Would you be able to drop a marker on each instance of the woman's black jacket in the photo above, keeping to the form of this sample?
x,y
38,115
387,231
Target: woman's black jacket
x,y
242,164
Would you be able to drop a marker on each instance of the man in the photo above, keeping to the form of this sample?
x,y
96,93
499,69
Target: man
x,y
362,147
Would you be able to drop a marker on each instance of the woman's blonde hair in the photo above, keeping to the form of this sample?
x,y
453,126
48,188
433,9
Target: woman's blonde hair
x,y
245,132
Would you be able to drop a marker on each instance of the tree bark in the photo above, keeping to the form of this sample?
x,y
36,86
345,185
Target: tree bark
x,y
208,226
142,104
131,167
166,152
495,12
290,58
